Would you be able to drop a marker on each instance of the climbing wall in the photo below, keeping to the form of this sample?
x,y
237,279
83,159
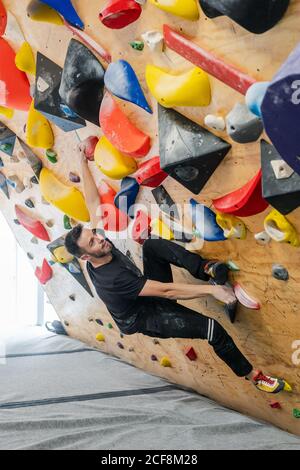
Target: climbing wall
x,y
269,337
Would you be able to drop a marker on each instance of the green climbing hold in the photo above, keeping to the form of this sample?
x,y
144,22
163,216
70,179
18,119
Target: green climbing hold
x,y
67,223
51,155
296,413
109,326
137,45
232,266
6,148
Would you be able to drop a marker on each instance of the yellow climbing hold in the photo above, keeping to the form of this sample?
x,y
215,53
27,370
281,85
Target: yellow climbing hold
x,y
61,255
100,337
38,11
67,199
165,362
7,112
287,387
232,226
160,229
111,162
171,89
280,229
187,9
38,130
25,59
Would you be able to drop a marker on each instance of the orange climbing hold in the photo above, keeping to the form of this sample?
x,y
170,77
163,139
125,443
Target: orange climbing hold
x,y
113,219
3,18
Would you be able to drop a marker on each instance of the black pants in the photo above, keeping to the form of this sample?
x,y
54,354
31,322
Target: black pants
x,y
168,319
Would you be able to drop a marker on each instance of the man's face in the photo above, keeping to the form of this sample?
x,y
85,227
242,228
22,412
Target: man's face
x,y
93,244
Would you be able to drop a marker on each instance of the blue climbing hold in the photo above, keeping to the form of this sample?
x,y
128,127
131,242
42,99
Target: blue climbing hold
x,y
127,195
66,9
120,79
255,96
205,224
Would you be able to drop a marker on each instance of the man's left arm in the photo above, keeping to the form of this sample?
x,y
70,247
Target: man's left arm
x,y
91,194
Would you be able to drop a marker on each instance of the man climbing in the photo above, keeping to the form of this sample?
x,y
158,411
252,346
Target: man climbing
x,y
146,303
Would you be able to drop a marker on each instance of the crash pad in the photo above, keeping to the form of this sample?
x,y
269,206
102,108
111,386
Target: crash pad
x,y
257,16
245,201
38,130
47,99
121,80
205,223
7,139
187,9
141,228
189,153
3,185
207,61
126,197
3,18
38,11
82,82
14,91
113,219
118,14
120,131
33,160
170,89
150,173
67,199
45,273
232,226
280,229
66,9
35,227
111,162
25,59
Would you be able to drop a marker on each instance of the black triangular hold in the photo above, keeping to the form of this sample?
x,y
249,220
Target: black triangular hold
x,y
82,82
33,160
165,202
7,139
188,152
47,99
3,184
282,194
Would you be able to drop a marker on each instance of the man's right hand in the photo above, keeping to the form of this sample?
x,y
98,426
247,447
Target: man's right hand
x,y
223,294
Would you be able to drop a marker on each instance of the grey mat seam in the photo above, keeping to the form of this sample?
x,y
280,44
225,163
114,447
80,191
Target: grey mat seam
x,y
50,353
94,396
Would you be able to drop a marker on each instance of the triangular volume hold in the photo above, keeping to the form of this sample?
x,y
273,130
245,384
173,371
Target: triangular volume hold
x,y
82,82
34,161
188,153
7,139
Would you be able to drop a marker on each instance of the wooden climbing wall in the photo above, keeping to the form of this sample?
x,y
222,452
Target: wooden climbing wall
x,y
265,336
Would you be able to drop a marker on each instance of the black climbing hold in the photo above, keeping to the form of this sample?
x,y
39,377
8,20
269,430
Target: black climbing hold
x,y
231,310
1,163
165,202
280,273
74,178
155,341
33,160
153,357
16,221
188,152
29,203
100,322
34,180
257,16
72,297
82,82
282,193
121,335
120,345
7,139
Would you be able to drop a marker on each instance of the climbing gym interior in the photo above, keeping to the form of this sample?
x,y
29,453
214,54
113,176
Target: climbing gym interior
x,y
187,115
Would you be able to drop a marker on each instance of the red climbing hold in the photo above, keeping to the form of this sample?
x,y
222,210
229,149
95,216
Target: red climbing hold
x,y
32,225
3,18
245,201
213,65
45,273
118,14
191,353
141,228
88,147
150,174
112,218
14,85
120,131
275,405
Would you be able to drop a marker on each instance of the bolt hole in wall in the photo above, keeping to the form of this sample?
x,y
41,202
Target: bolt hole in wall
x,y
23,301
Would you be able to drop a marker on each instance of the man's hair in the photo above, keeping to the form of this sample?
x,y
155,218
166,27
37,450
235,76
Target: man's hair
x,y
71,241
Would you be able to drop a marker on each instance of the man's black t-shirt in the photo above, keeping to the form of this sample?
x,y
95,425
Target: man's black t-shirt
x,y
118,285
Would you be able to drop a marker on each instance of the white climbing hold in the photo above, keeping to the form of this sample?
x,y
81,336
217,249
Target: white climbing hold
x,y
263,238
215,122
42,86
281,169
154,40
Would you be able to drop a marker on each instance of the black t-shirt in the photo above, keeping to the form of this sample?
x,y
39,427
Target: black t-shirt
x,y
118,285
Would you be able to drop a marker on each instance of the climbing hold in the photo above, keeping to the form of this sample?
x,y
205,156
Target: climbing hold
x,y
120,79
74,178
245,299
14,83
65,9
38,130
50,223
109,326
280,273
3,18
67,199
51,155
100,337
150,173
7,139
34,240
190,353
29,203
45,273
1,163
256,16
38,11
161,230
242,125
205,223
280,184
262,238
73,267
165,202
165,362
25,59
34,161
280,229
15,182
215,122
118,14
33,226
155,341
255,96
154,40
100,322
111,162
7,112
275,405
126,197
141,227
296,413
47,99
287,387
188,153
154,358
82,82
30,256
280,110
170,89
232,266
120,131
208,62
72,297
112,218
90,43
3,185
232,226
137,45
88,147
120,345
62,256
187,9
245,201
67,223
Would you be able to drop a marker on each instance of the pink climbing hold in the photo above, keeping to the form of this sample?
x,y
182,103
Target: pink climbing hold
x,y
45,273
88,147
245,299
